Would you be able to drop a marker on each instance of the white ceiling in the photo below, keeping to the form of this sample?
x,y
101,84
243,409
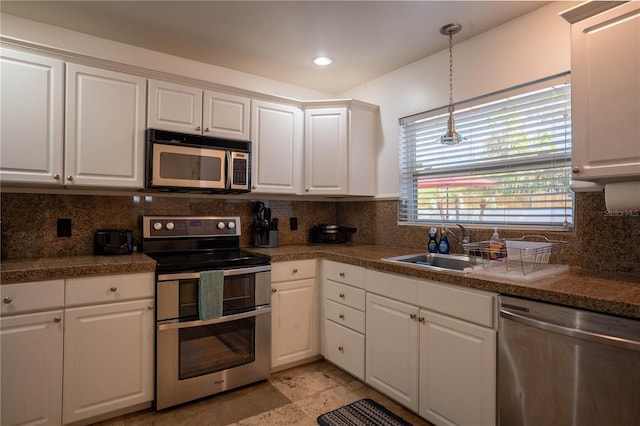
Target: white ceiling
x,y
278,39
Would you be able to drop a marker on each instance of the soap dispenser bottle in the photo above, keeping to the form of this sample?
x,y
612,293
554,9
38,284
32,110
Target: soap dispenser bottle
x,y
432,245
495,246
443,244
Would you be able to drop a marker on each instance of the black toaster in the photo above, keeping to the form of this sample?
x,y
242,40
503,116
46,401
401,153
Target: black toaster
x,y
113,241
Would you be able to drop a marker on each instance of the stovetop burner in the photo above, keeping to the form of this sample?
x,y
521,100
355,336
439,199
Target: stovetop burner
x,y
196,243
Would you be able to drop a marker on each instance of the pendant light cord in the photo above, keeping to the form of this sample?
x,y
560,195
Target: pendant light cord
x,y
450,72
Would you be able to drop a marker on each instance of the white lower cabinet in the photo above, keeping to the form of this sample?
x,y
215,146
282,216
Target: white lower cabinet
x,y
31,369
76,350
294,312
108,358
441,364
344,316
392,349
457,371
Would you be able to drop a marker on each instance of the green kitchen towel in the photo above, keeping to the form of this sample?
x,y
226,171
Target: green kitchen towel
x,y
211,287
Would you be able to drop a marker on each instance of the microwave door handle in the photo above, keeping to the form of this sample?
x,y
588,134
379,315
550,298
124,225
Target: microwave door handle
x,y
227,184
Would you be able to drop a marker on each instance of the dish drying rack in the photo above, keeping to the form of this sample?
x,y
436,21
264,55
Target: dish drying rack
x,y
528,254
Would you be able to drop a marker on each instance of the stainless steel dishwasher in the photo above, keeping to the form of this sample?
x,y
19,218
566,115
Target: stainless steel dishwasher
x,y
561,366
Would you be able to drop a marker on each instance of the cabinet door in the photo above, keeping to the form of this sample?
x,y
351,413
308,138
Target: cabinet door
x,y
31,369
325,142
104,139
392,349
276,134
457,372
32,118
174,107
605,75
294,321
108,358
225,115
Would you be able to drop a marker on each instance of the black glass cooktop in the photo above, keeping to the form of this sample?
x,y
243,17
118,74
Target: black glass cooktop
x,y
201,261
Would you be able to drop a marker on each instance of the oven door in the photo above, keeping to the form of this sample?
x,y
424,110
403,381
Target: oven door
x,y
196,358
200,358
187,167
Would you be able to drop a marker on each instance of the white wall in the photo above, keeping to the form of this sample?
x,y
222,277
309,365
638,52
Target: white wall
x,y
528,48
78,43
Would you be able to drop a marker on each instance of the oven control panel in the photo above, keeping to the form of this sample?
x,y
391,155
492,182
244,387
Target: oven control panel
x,y
190,226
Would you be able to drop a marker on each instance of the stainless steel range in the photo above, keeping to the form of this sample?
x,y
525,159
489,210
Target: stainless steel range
x,y
214,340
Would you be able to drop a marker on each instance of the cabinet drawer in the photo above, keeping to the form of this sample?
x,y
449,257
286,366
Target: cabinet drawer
x,y
110,288
344,273
345,294
344,315
293,270
32,296
345,348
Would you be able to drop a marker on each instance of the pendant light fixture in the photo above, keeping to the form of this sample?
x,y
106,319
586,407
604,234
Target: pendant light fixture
x,y
451,137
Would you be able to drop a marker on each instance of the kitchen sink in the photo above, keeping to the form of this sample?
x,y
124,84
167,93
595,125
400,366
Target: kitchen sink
x,y
449,262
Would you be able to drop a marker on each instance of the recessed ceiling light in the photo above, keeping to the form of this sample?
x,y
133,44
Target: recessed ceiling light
x,y
322,61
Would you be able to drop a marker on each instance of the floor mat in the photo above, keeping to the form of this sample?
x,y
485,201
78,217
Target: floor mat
x,y
365,412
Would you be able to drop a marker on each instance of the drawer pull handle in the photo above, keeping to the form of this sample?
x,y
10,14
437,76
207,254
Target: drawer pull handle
x,y
341,274
295,270
7,300
341,349
341,295
421,319
113,289
273,290
413,316
341,316
57,319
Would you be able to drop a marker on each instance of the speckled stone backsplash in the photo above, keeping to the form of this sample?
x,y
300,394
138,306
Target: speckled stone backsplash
x,y
601,241
29,220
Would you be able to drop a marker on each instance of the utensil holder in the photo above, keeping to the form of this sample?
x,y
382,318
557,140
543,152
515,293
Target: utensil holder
x,y
267,239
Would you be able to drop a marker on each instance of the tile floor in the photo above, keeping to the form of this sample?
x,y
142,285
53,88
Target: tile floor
x,y
292,397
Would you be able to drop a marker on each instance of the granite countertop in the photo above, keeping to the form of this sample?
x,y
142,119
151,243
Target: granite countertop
x,y
610,293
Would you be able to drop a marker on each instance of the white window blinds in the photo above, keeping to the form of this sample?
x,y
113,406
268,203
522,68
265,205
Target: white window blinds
x,y
513,169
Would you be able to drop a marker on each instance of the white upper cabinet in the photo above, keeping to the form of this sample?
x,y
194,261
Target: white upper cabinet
x,y
104,128
225,116
277,139
32,118
340,149
187,109
325,166
606,94
174,107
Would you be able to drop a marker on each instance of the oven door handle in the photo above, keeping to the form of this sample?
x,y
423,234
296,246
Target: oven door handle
x,y
227,273
173,324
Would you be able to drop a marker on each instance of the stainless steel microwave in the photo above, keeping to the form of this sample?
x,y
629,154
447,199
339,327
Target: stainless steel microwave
x,y
183,162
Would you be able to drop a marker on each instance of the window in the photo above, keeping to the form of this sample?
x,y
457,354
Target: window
x,y
514,168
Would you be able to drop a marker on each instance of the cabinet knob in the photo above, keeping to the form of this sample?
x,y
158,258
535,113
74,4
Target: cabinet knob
x,y
198,128
413,316
254,187
113,289
206,130
57,319
56,176
273,290
7,300
576,170
341,274
150,307
341,316
341,348
421,319
295,270
341,295
69,177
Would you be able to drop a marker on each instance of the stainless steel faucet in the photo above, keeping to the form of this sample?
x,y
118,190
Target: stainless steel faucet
x,y
466,235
